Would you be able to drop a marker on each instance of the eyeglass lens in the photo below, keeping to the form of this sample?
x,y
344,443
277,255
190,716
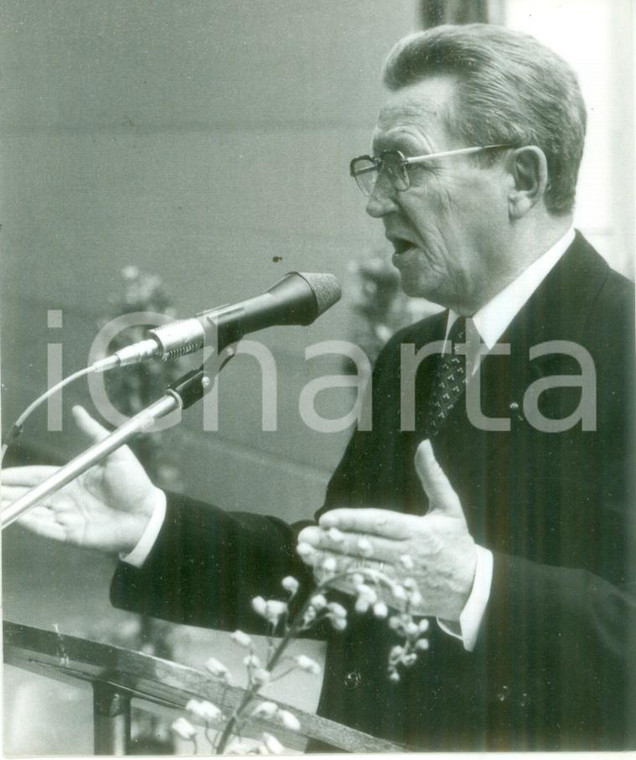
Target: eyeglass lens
x,y
367,172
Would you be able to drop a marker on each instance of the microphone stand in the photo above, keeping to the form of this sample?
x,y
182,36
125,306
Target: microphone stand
x,y
180,395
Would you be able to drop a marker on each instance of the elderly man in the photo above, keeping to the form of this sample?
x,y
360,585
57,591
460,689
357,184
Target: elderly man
x,y
522,390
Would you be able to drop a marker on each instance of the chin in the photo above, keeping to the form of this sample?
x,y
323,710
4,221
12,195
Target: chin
x,y
421,289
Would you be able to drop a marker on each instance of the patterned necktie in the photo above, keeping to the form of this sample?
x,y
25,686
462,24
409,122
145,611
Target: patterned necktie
x,y
450,380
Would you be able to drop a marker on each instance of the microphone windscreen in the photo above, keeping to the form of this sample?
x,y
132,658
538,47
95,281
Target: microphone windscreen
x,y
326,289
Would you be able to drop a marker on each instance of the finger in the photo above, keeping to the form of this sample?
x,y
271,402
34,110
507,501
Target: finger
x,y
440,492
89,426
26,477
375,522
41,525
345,564
352,545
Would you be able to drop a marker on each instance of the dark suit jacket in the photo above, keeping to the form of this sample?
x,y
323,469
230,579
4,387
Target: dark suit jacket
x,y
553,663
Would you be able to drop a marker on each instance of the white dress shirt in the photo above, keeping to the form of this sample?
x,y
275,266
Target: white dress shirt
x,y
491,322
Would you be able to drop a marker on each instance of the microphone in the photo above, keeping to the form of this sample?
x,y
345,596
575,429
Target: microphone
x,y
298,299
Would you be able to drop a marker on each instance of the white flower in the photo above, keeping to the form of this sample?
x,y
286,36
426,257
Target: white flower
x,y
184,728
288,720
265,710
380,610
416,598
365,547
335,535
290,584
270,745
422,644
307,664
394,676
217,668
423,625
242,639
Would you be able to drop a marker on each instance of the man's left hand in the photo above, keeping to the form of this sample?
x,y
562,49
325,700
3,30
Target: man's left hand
x,y
435,549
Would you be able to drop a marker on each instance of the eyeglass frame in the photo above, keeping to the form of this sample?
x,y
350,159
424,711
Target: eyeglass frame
x,y
408,160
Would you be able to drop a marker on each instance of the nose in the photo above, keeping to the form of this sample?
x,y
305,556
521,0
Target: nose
x,y
381,201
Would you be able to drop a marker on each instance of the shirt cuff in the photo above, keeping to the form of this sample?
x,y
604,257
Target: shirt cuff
x,y
140,553
472,615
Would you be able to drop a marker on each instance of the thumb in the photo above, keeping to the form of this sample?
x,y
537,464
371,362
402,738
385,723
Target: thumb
x,y
441,496
89,426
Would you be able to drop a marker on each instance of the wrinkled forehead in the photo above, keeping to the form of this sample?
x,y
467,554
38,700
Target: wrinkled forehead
x,y
419,111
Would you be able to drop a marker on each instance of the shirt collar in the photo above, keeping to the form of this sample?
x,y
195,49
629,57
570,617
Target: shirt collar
x,y
494,317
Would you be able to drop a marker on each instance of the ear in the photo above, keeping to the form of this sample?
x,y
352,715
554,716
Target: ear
x,y
529,174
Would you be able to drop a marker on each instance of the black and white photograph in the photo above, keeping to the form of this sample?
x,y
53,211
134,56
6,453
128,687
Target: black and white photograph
x,y
317,377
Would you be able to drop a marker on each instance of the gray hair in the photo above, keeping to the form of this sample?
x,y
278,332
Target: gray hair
x,y
511,89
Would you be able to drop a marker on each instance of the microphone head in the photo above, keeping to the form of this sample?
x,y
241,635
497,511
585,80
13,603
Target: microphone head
x,y
325,287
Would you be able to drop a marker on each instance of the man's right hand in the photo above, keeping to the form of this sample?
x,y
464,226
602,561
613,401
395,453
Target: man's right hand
x,y
107,507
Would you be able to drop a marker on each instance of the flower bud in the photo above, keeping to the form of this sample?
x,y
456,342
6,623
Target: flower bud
x,y
330,565
274,610
318,601
338,624
184,728
259,605
290,584
288,720
361,605
204,710
307,664
240,638
380,610
337,609
271,745
265,710
216,668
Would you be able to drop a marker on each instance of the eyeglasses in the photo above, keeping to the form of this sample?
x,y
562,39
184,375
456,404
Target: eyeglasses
x,y
393,164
